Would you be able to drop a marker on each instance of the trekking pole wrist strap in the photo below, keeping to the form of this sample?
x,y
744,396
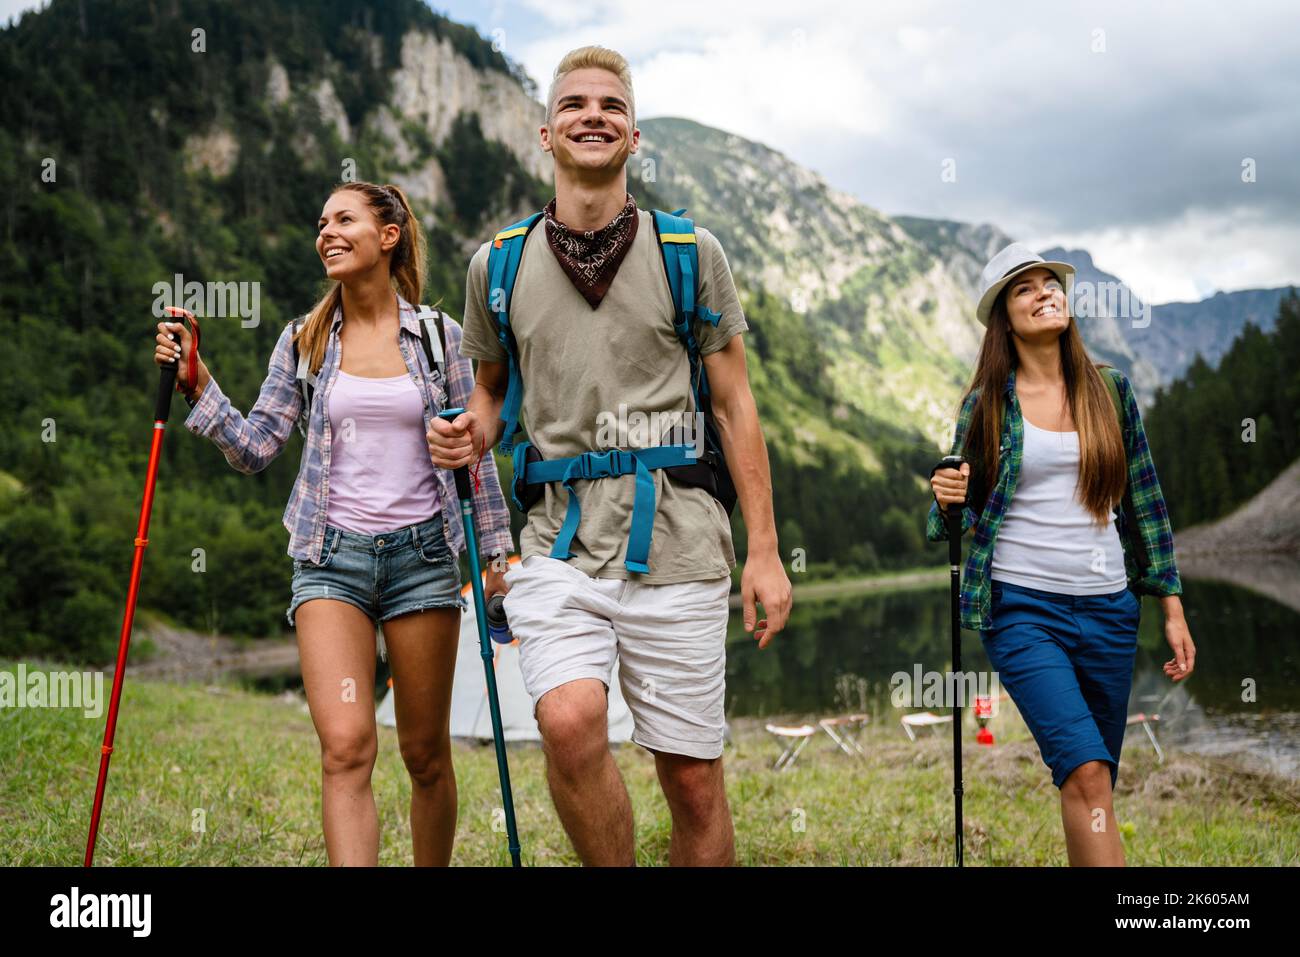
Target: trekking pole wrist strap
x,y
192,366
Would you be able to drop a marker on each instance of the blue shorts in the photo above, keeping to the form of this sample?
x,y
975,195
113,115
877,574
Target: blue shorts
x,y
1067,662
385,575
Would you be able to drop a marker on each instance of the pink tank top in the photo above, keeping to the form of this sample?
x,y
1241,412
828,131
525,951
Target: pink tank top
x,y
380,475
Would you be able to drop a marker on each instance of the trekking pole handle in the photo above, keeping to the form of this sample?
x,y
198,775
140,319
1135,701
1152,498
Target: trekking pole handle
x,y
170,368
166,384
953,510
461,473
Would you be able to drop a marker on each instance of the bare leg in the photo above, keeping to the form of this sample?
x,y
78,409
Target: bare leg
x,y
336,644
422,652
587,789
702,829
1087,811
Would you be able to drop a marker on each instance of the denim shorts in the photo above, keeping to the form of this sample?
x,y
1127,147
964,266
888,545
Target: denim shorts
x,y
385,575
1067,662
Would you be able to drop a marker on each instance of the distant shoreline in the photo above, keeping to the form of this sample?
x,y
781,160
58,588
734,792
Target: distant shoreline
x,y
825,588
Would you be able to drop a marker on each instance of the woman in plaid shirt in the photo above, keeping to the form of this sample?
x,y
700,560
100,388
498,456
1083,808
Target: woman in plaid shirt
x,y
1053,577
374,527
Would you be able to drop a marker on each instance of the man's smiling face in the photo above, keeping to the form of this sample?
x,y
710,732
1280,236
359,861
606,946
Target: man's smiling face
x,y
591,124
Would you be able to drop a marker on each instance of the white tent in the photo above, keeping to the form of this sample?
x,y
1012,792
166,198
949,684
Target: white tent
x,y
470,716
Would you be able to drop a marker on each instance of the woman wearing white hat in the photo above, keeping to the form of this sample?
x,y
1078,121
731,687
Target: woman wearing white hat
x,y
1070,527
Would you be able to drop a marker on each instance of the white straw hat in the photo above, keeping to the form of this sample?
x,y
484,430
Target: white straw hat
x,y
1006,266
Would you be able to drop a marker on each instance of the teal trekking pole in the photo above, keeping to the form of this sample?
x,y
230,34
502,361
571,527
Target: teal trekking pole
x,y
465,494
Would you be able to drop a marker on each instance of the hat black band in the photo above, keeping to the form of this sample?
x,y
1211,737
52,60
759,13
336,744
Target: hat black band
x,y
1027,262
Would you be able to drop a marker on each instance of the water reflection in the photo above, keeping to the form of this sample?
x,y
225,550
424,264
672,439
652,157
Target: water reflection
x,y
837,655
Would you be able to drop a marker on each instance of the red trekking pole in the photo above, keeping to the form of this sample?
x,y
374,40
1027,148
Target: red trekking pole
x,y
166,383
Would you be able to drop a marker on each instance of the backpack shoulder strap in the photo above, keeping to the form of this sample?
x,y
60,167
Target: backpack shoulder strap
x,y
676,235
504,254
681,257
1112,386
435,346
306,379
1130,514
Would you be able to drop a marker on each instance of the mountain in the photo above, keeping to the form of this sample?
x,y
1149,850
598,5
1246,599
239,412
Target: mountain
x,y
1269,522
1155,349
200,139
1255,547
1109,337
896,326
1180,331
1222,433
1151,350
964,247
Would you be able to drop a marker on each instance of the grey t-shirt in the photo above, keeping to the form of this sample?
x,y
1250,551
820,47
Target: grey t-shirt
x,y
582,368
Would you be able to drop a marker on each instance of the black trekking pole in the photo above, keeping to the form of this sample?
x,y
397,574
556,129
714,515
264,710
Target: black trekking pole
x,y
465,494
952,518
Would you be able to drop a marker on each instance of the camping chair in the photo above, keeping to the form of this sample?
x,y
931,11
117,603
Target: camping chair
x,y
850,727
1160,713
794,740
1147,720
925,719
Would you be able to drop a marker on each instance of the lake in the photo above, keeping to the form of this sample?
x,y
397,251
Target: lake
x,y
838,653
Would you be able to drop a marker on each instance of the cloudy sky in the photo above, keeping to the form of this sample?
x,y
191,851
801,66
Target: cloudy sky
x,y
1127,128
1123,128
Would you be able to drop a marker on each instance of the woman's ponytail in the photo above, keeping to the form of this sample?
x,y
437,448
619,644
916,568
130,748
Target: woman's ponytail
x,y
408,264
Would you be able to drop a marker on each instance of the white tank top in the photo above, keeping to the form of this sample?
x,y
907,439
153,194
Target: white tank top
x,y
1047,539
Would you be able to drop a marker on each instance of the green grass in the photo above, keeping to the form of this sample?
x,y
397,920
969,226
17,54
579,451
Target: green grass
x,y
249,764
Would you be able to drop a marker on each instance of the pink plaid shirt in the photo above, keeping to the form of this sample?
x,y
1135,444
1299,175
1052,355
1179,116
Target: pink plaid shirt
x,y
251,443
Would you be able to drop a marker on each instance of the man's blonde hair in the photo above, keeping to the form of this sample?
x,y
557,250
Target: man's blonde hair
x,y
593,56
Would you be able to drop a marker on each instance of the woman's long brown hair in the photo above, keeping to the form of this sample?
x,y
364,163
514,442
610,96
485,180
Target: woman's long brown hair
x,y
1103,468
407,266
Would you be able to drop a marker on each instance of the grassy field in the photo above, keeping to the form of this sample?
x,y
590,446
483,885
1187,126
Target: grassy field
x,y
247,767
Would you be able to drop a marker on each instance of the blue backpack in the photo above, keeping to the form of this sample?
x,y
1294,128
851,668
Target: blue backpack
x,y
676,236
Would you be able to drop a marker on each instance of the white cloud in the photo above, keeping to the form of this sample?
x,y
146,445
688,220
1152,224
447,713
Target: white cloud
x,y
1134,145
12,9
780,97
1194,256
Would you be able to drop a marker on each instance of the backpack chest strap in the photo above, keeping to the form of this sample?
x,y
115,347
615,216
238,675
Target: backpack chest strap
x,y
610,464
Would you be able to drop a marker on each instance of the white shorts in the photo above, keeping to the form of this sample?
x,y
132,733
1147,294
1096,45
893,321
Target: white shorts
x,y
670,642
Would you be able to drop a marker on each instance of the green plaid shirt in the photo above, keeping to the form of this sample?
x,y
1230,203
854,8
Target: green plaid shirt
x,y
1161,575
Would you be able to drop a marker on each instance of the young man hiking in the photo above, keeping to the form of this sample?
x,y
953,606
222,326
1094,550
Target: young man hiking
x,y
591,326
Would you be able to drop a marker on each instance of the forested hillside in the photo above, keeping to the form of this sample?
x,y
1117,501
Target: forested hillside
x,y
197,138
1221,434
